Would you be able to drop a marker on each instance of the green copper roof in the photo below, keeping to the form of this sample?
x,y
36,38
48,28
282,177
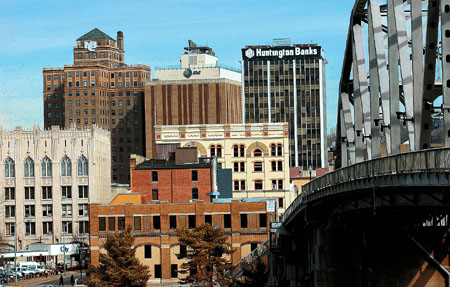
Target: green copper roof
x,y
95,34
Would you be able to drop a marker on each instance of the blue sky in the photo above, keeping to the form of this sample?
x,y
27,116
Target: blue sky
x,y
41,34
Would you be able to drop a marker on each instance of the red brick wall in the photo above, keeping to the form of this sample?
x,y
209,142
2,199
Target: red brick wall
x,y
174,185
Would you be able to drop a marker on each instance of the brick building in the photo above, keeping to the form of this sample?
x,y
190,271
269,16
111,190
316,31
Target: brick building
x,y
99,88
154,225
180,178
199,91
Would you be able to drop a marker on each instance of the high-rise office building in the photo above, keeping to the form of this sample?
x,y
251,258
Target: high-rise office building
x,y
286,83
199,91
99,88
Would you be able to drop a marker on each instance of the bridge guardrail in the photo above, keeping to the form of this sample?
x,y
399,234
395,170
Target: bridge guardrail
x,y
437,159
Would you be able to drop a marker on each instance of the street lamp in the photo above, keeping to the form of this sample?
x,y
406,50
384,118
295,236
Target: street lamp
x,y
310,169
64,245
15,250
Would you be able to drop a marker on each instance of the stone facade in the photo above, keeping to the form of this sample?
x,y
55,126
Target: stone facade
x,y
48,179
257,154
154,225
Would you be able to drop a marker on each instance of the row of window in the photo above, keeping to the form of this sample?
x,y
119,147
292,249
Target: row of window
x,y
147,223
155,194
47,210
257,166
66,192
66,167
47,228
277,184
194,176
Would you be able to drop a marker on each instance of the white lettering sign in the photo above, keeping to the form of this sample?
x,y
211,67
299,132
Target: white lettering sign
x,y
90,45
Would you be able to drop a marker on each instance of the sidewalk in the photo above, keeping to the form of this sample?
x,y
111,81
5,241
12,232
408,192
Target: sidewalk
x,y
42,280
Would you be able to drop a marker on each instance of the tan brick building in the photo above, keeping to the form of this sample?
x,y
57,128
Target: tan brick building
x,y
154,225
48,179
199,91
99,88
257,154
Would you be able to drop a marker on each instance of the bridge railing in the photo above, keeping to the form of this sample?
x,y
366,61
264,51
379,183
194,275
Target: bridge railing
x,y
437,159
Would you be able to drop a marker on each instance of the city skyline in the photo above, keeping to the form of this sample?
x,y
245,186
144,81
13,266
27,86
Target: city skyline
x,y
47,32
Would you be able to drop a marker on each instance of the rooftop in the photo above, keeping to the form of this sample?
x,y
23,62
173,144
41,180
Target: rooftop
x,y
95,34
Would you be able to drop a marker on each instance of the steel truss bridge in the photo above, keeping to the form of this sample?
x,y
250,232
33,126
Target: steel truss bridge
x,y
382,217
395,78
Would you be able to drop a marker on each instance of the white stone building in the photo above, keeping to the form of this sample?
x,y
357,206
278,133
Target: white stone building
x,y
48,178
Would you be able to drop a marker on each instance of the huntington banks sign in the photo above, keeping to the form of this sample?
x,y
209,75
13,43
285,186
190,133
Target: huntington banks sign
x,y
285,53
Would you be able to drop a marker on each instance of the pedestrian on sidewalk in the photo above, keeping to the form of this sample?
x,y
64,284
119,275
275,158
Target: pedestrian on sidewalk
x,y
72,280
61,281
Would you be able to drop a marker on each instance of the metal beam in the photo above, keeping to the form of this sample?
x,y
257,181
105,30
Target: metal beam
x,y
445,48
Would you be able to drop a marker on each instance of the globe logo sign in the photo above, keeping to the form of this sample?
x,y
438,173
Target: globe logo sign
x,y
187,73
249,53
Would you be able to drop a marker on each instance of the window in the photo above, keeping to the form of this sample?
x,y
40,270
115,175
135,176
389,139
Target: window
x,y
67,210
219,151
263,220
236,167
172,222
121,223
147,251
183,251
29,211
257,153
258,185
83,227
235,151
280,202
30,228
242,185
83,209
244,223
47,210
83,191
191,221
236,185
29,192
279,150
242,165
46,167
194,193
208,219
29,167
274,184
157,270
102,224
155,195
227,221
194,175
253,246
280,184
280,166
82,166
111,223
67,227
156,222
46,192
273,150
274,165
66,192
137,223
10,211
213,151
10,229
258,166
10,193
242,150
154,176
47,227
173,271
